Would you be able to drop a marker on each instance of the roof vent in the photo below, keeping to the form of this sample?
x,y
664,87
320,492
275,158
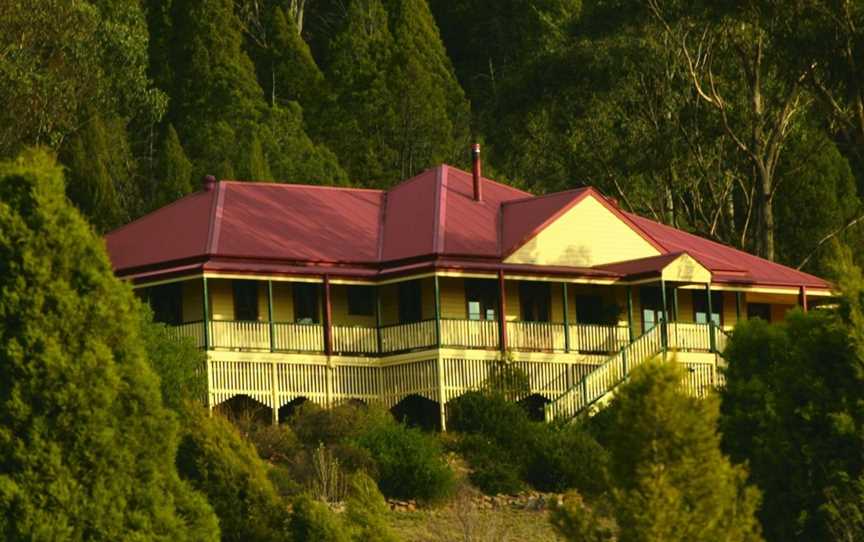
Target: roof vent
x,y
475,161
208,182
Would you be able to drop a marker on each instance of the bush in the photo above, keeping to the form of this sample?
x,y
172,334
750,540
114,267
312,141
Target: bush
x,y
566,456
410,463
313,521
492,469
216,460
366,510
506,450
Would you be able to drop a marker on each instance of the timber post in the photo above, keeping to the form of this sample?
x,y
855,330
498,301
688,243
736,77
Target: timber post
x,y
274,380
502,317
802,298
206,316
270,316
738,304
664,329
711,336
378,318
631,330
442,396
566,319
328,314
437,312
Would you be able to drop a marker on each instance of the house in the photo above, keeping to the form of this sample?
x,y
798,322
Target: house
x,y
411,296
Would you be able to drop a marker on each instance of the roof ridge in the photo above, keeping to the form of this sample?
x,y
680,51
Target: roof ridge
x,y
215,221
154,211
493,181
300,185
575,191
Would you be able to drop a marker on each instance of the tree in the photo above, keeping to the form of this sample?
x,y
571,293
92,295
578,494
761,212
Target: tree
x,y
216,460
793,409
671,481
173,174
366,510
218,107
63,62
177,363
396,107
86,447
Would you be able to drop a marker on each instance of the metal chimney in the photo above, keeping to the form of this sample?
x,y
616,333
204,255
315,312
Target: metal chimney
x,y
208,182
475,161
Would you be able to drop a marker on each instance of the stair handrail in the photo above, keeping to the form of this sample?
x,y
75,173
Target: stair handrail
x,y
585,392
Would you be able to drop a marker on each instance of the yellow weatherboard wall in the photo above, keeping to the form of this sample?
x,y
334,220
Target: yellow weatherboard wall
x,y
685,269
586,235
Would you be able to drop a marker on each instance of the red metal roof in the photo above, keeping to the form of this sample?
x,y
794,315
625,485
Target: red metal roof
x,y
431,219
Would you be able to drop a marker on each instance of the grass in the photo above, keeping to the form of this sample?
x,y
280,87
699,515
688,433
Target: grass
x,y
468,524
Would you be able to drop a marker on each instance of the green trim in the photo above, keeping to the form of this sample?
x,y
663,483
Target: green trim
x,y
738,303
206,315
664,330
675,317
712,338
566,318
378,316
270,315
437,311
630,313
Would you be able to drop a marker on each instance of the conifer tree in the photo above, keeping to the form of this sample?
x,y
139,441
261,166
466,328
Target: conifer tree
x,y
397,107
218,107
86,447
671,481
173,174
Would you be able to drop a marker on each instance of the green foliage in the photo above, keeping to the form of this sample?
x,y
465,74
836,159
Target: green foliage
x,y
366,510
312,521
793,409
506,450
65,61
218,107
396,107
672,481
100,171
86,446
216,460
173,171
577,522
179,364
409,463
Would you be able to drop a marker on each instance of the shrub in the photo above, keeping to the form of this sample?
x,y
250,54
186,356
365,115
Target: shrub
x,y
313,521
566,456
505,449
410,463
492,469
216,460
366,510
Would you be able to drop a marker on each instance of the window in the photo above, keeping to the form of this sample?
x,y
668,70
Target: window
x,y
245,300
759,310
410,302
166,300
590,309
305,303
534,298
700,307
652,307
482,299
361,301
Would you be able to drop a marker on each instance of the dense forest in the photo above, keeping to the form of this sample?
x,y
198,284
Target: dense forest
x,y
742,121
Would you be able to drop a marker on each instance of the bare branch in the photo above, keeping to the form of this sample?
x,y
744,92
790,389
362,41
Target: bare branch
x,y
828,237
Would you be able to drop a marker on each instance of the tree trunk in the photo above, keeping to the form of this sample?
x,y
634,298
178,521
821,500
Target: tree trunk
x,y
765,205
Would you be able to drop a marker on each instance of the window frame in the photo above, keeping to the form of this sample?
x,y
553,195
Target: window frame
x,y
365,295
484,293
305,298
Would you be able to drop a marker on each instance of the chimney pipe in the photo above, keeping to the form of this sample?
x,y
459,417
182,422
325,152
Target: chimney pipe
x,y
475,161
208,182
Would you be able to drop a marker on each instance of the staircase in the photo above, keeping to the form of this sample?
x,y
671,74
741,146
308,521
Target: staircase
x,y
597,386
